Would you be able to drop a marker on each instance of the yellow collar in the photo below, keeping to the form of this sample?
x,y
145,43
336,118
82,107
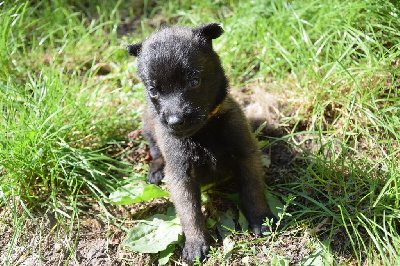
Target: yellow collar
x,y
214,111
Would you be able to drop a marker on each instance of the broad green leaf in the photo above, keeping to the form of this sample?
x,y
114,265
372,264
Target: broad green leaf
x,y
263,143
137,192
274,203
226,224
320,256
314,259
210,223
154,234
278,260
229,245
205,198
244,224
166,254
235,198
265,250
171,212
266,160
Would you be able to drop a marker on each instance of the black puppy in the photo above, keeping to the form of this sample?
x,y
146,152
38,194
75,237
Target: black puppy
x,y
197,133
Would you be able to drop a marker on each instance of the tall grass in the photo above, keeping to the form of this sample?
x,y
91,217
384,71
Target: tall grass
x,y
57,115
335,66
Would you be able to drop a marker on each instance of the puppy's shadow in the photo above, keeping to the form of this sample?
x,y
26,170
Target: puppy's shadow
x,y
280,156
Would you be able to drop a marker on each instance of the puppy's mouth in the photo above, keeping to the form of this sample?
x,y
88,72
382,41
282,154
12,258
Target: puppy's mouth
x,y
188,130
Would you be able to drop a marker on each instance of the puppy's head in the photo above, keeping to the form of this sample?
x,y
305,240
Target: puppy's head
x,y
183,76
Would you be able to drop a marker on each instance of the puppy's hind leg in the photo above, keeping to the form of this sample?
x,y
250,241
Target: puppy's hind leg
x,y
156,171
249,176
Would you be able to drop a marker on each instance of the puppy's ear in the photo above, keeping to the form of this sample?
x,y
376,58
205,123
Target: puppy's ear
x,y
134,49
209,31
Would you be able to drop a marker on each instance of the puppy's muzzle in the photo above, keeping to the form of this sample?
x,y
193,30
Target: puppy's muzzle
x,y
182,125
175,121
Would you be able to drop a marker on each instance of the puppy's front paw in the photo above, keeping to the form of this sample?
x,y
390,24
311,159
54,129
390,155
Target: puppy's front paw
x,y
156,172
256,223
195,249
259,228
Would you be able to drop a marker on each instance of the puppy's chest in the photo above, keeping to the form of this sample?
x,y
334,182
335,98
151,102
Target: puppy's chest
x,y
199,153
208,163
207,148
192,151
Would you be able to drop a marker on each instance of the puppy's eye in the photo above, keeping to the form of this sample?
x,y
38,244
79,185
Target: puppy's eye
x,y
194,82
153,92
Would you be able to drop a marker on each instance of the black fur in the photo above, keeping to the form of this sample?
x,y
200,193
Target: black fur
x,y
197,133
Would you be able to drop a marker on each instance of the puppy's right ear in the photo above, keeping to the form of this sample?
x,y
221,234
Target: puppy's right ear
x,y
134,49
209,31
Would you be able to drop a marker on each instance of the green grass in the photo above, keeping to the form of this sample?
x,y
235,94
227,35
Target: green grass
x,y
335,66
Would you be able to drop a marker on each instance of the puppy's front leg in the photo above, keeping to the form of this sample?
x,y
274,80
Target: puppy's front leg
x,y
186,196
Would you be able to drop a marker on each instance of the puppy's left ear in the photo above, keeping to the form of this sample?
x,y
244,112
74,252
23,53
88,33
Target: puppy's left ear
x,y
209,31
134,49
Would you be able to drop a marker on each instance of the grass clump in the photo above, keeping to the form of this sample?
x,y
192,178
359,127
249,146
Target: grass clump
x,y
68,94
58,115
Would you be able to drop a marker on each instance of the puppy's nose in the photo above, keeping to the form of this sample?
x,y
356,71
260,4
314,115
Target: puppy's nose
x,y
175,120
